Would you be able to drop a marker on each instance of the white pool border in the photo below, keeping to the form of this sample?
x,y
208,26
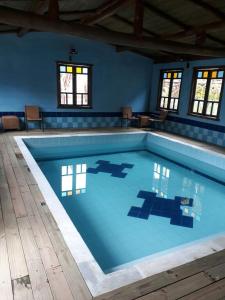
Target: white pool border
x,y
97,281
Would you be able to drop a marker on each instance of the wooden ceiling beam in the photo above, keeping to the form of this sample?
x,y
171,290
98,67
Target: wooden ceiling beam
x,y
129,23
42,23
138,18
75,15
215,11
104,11
149,32
53,9
38,7
135,50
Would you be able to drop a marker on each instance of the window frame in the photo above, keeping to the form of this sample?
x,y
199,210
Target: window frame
x,y
74,64
205,101
162,71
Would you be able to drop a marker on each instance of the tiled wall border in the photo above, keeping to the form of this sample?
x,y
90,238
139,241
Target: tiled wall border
x,y
201,131
71,114
75,119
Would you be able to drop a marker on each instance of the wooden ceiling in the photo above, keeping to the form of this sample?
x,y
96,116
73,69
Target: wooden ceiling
x,y
164,30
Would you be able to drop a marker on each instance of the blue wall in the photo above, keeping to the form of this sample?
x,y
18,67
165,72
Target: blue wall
x,y
185,89
211,131
28,73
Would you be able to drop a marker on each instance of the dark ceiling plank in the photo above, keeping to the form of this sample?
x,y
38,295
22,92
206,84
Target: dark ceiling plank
x,y
131,24
38,7
215,39
188,30
42,23
165,15
138,18
178,35
53,9
219,14
103,12
192,31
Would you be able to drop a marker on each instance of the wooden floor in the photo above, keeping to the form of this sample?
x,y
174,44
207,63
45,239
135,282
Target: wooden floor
x,y
35,262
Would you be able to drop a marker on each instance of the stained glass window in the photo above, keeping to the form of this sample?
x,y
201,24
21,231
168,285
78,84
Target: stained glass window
x,y
74,82
170,89
207,87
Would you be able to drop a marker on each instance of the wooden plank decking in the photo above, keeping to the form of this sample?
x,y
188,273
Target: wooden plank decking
x,y
35,262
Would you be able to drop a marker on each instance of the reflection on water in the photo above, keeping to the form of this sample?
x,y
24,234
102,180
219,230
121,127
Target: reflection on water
x,y
67,180
197,190
74,181
162,181
68,177
81,170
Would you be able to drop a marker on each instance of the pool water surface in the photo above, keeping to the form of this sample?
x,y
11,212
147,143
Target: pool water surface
x,y
130,205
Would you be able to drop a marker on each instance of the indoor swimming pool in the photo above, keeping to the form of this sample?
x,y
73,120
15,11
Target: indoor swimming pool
x,y
126,200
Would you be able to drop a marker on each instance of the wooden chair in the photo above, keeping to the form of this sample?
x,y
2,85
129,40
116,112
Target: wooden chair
x,y
127,115
161,118
10,122
145,120
33,114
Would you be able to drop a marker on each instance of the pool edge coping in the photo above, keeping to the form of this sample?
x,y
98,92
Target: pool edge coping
x,y
97,281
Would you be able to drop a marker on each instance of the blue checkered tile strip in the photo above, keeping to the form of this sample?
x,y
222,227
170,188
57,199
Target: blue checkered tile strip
x,y
197,133
81,122
200,133
76,122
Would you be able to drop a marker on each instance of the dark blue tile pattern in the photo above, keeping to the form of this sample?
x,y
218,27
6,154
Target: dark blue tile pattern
x,y
162,207
113,169
192,122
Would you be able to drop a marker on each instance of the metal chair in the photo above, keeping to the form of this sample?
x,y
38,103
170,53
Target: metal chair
x,y
33,114
127,115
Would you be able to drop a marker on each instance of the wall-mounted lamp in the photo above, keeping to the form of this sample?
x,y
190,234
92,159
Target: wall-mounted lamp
x,y
72,52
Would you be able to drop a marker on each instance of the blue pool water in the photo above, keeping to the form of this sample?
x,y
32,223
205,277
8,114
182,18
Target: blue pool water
x,y
130,205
